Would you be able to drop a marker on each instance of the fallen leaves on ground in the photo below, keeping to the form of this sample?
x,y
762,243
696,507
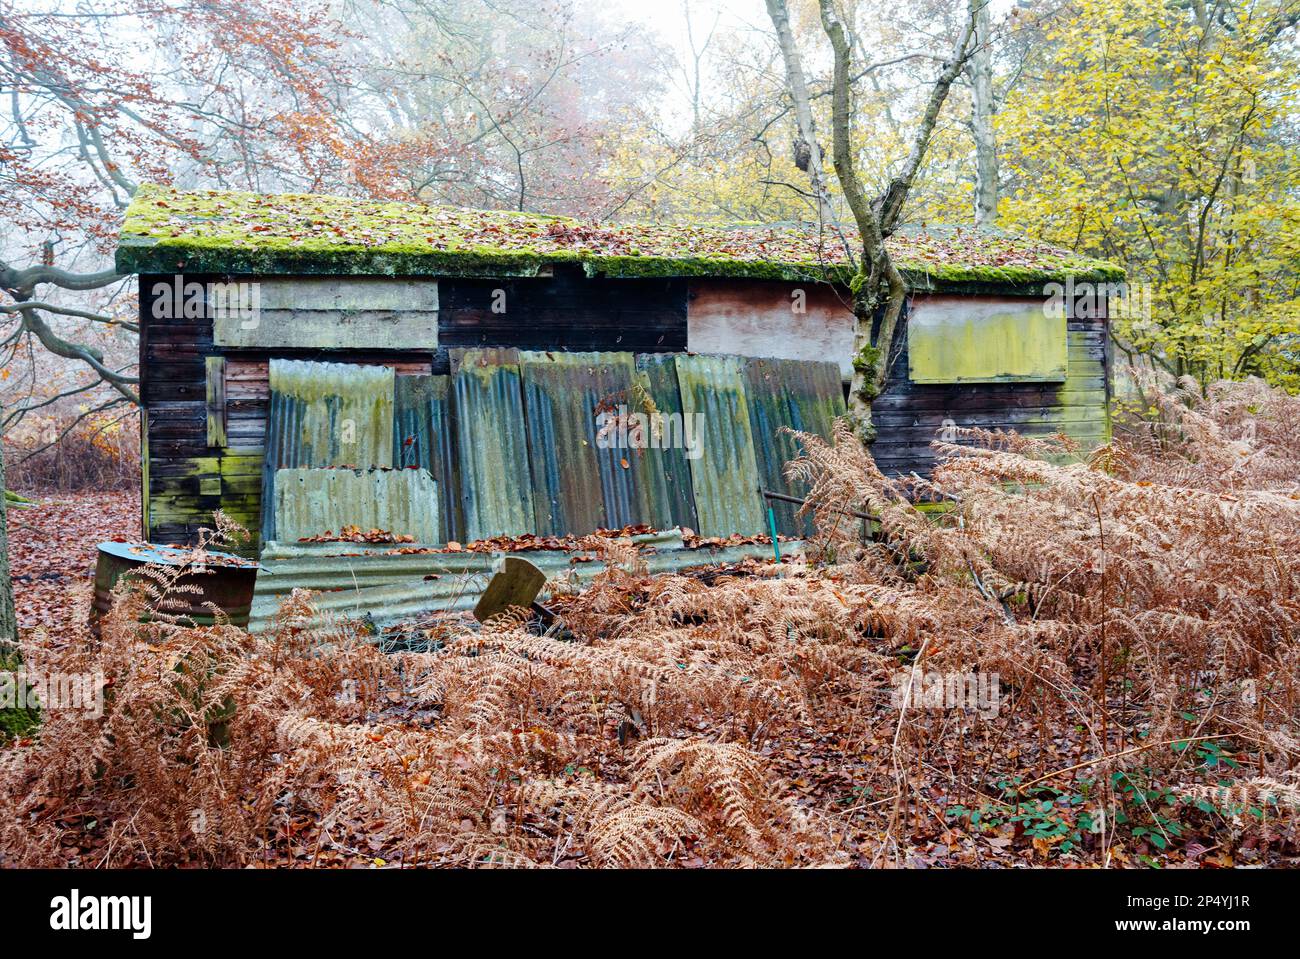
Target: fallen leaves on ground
x,y
52,555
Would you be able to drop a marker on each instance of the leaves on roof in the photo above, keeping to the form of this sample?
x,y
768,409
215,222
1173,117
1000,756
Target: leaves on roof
x,y
243,232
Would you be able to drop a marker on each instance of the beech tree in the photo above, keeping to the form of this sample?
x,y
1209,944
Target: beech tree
x,y
100,99
500,104
1191,179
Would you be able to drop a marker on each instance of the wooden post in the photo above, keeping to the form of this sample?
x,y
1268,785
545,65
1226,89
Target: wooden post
x,y
216,369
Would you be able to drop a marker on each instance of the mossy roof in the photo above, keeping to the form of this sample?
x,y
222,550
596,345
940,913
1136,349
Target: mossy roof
x,y
169,230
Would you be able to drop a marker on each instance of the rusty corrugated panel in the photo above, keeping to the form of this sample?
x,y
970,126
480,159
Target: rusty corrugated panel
x,y
422,437
373,564
325,414
392,587
496,490
724,476
582,480
794,394
309,502
664,473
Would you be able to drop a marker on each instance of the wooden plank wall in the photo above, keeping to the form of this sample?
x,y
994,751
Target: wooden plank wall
x,y
186,479
908,416
748,318
772,319
566,311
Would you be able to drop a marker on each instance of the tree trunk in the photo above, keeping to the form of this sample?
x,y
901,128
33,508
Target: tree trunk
x,y
803,115
8,621
878,287
980,71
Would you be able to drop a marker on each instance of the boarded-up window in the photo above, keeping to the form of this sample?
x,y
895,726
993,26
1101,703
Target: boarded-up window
x,y
357,313
984,340
789,321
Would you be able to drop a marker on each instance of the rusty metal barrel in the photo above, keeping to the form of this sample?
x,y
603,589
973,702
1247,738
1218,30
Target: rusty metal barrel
x,y
223,580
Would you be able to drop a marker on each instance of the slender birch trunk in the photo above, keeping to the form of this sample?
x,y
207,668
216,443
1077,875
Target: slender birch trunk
x,y
983,107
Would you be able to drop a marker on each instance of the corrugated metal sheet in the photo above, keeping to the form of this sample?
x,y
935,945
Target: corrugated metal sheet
x,y
578,486
422,436
798,395
391,588
326,566
325,414
725,476
496,491
312,501
665,473
510,442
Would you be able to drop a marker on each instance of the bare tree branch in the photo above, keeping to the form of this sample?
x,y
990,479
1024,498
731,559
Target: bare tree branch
x,y
21,283
69,311
92,357
76,421
890,205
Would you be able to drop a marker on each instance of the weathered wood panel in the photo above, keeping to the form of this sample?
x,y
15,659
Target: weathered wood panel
x,y
331,313
910,416
984,339
184,479
216,388
181,474
791,321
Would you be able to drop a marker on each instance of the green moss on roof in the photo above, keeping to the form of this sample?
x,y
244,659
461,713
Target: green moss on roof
x,y
167,230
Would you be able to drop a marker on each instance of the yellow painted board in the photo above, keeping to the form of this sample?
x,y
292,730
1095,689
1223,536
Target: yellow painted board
x,y
986,341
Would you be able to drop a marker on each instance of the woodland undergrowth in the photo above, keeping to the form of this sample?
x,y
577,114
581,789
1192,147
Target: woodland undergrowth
x,y
1138,608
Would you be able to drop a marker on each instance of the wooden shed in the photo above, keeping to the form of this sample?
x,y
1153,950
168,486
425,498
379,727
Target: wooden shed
x,y
734,324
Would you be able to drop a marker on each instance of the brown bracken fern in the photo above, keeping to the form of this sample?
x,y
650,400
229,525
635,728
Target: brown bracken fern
x,y
1140,607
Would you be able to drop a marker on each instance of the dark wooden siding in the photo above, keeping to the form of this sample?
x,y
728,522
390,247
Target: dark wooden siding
x,y
181,475
909,416
567,311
